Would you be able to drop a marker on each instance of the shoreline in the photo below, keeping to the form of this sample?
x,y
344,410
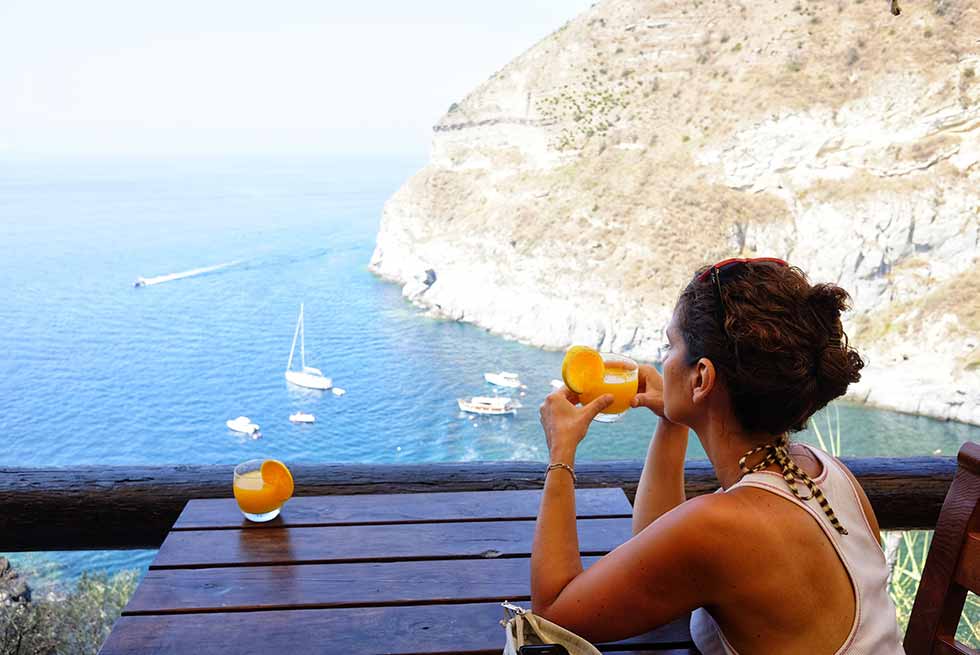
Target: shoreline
x,y
898,386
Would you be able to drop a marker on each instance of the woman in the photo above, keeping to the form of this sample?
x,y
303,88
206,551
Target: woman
x,y
786,557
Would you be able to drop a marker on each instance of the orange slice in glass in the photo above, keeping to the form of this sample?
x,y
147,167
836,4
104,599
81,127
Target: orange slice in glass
x,y
276,475
582,368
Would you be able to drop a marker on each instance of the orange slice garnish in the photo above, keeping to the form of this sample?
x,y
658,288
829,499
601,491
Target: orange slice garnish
x,y
582,368
276,475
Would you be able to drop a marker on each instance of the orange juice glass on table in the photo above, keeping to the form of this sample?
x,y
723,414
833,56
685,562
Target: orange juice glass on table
x,y
261,487
591,374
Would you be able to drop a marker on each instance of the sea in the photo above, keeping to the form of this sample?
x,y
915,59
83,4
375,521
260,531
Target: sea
x,y
96,371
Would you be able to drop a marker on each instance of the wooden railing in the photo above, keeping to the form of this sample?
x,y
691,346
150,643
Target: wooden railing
x,y
108,507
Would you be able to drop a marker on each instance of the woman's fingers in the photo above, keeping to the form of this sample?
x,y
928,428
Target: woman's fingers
x,y
652,400
594,408
569,395
640,400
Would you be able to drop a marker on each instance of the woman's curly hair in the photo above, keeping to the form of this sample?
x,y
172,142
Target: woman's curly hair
x,y
783,352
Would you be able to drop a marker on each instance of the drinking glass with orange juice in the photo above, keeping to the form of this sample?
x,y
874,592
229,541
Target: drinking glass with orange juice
x,y
591,374
261,487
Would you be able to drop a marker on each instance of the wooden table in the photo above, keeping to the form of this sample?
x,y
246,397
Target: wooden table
x,y
366,574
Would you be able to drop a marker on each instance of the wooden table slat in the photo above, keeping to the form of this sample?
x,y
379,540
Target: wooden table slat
x,y
209,548
334,585
469,629
223,513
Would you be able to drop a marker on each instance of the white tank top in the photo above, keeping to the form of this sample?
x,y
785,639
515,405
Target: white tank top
x,y
875,628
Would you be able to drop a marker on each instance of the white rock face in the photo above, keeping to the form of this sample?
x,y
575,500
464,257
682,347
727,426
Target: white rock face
x,y
571,196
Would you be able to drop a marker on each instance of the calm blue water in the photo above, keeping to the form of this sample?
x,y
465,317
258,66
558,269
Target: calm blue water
x,y
94,371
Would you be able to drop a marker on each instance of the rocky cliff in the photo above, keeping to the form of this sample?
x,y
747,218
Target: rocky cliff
x,y
570,197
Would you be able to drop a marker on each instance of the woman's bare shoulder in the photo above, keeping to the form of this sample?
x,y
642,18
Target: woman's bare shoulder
x,y
714,525
723,511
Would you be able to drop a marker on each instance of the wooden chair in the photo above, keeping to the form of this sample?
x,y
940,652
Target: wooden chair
x,y
952,567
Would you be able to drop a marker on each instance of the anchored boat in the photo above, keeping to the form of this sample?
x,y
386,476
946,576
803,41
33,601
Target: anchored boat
x,y
503,379
244,425
492,405
302,417
307,376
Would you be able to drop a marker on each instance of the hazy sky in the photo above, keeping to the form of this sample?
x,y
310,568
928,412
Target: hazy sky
x,y
241,76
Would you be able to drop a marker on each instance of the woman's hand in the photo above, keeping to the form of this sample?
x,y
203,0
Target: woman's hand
x,y
565,423
650,391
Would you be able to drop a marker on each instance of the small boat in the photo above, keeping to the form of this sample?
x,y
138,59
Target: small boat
x,y
557,384
492,405
140,282
302,417
307,376
337,391
244,425
503,379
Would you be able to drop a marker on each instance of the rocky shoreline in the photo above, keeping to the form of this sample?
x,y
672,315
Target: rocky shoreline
x,y
891,380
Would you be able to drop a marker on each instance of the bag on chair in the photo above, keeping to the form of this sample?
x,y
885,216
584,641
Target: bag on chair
x,y
523,628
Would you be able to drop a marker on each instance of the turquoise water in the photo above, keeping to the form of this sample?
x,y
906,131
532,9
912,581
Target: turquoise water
x,y
95,371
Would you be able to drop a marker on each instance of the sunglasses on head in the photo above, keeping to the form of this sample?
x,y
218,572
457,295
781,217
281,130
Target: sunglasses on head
x,y
729,265
725,269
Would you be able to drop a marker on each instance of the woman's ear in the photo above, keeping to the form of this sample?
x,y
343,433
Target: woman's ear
x,y
703,379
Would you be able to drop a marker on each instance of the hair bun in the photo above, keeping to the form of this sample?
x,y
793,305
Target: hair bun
x,y
837,368
837,365
828,300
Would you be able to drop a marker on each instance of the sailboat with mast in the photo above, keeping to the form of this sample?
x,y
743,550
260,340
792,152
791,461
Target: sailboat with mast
x,y
307,376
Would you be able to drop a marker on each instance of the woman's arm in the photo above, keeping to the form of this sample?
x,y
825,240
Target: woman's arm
x,y
655,577
661,486
555,559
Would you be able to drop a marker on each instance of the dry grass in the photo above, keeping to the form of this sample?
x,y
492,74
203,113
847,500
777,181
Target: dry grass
x,y
958,296
861,184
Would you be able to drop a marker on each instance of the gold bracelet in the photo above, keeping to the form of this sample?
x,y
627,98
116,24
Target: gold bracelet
x,y
560,465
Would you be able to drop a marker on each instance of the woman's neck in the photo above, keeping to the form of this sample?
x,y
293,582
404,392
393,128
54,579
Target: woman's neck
x,y
725,444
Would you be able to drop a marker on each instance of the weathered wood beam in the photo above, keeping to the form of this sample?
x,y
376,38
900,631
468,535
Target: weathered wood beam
x,y
107,507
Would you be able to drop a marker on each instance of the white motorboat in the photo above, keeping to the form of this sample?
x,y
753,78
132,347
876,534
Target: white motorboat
x,y
244,425
557,384
492,405
307,376
140,282
337,391
503,379
302,417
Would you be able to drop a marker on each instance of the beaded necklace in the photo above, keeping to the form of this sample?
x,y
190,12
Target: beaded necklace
x,y
778,453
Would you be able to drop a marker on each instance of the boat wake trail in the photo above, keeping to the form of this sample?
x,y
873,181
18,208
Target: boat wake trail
x,y
160,279
252,263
